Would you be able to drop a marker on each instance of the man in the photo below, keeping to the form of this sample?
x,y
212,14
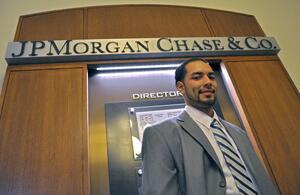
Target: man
x,y
197,153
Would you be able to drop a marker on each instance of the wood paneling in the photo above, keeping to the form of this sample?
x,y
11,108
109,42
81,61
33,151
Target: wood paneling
x,y
145,21
273,106
226,24
135,21
58,25
43,142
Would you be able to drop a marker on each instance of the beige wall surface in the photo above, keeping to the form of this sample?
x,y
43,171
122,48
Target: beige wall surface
x,y
278,18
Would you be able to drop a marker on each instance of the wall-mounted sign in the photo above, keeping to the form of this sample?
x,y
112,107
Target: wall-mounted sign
x,y
25,52
155,95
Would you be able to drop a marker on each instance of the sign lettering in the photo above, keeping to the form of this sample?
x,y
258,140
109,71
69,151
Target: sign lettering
x,y
108,49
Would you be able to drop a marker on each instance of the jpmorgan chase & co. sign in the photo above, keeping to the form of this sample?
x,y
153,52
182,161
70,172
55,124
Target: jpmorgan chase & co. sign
x,y
48,51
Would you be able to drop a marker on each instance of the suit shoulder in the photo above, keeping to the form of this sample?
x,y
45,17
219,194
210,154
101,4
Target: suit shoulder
x,y
233,127
166,126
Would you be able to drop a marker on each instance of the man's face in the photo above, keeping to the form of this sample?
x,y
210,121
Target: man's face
x,y
199,85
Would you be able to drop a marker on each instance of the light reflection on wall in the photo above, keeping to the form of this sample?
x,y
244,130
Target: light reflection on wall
x,y
140,73
137,70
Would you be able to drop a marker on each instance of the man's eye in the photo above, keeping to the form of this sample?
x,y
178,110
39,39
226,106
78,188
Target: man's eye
x,y
197,77
212,76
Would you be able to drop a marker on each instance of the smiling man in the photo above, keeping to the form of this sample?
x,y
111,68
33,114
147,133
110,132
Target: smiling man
x,y
198,153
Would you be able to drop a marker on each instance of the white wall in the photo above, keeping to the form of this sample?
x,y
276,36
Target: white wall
x,y
278,18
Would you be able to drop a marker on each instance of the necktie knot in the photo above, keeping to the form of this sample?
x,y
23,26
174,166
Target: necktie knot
x,y
215,124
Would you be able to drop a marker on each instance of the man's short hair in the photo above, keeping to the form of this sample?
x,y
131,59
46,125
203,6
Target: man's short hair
x,y
181,71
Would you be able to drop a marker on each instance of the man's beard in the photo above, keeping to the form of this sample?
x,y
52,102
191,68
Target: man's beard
x,y
199,104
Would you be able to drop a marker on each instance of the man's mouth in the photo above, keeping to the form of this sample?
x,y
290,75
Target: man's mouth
x,y
207,91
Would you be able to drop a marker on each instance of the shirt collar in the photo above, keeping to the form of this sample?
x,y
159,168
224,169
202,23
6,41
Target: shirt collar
x,y
200,116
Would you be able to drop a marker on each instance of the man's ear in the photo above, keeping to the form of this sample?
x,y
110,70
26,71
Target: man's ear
x,y
180,87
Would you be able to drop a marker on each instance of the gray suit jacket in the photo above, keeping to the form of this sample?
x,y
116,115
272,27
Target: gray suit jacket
x,y
179,160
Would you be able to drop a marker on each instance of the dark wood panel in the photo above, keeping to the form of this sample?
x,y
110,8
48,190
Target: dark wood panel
x,y
144,21
43,142
226,24
66,24
273,108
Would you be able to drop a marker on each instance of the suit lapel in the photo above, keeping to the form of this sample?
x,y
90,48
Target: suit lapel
x,y
187,123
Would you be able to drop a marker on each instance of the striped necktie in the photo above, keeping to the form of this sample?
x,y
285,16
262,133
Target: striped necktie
x,y
235,164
